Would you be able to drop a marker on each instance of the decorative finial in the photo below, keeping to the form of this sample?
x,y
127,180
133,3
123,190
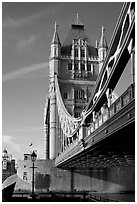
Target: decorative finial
x,y
77,19
56,26
102,29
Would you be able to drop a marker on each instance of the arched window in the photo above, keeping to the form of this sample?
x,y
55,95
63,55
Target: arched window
x,y
82,53
89,67
82,66
76,52
79,94
75,66
69,66
55,52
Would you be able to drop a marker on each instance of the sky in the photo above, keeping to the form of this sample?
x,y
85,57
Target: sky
x,y
27,31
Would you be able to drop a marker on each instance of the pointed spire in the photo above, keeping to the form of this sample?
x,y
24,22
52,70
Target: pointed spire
x,y
56,26
77,21
103,42
103,30
55,39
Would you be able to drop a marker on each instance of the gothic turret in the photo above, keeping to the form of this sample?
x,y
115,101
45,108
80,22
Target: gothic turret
x,y
55,45
102,49
54,65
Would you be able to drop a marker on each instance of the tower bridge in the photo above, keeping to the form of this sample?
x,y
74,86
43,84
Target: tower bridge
x,y
86,125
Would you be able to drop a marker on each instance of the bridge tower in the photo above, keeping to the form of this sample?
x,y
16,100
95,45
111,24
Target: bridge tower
x,y
102,49
76,64
78,70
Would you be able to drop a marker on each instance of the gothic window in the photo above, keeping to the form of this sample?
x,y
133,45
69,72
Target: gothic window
x,y
76,52
76,66
55,52
69,66
65,95
82,53
82,66
76,94
79,94
89,67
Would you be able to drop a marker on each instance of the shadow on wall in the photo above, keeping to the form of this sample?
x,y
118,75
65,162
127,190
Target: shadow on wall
x,y
42,181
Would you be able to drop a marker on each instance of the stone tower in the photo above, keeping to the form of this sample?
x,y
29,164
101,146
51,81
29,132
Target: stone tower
x,y
76,63
78,70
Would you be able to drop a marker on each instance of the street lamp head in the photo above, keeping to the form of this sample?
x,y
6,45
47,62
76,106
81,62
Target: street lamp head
x,y
33,156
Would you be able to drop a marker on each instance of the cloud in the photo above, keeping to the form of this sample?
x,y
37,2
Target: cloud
x,y
24,70
9,141
11,22
28,129
26,43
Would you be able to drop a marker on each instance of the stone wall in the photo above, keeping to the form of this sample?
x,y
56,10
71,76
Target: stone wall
x,y
48,177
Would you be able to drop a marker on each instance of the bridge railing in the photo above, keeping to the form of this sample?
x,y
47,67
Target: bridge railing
x,y
120,103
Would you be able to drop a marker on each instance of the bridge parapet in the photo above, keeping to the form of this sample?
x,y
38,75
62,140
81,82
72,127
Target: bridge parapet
x,y
121,102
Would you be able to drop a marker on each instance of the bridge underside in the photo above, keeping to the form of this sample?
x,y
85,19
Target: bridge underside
x,y
116,150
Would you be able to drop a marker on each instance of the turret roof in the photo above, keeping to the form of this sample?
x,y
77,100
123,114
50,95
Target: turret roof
x,y
56,39
103,42
77,31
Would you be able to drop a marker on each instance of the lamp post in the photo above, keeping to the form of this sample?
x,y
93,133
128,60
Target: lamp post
x,y
33,159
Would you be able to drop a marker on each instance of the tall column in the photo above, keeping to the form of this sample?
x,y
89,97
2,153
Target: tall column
x,y
46,141
52,125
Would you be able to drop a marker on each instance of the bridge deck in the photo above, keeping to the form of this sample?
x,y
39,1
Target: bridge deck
x,y
117,133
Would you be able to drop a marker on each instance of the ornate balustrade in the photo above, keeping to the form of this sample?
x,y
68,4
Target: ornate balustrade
x,y
66,56
84,74
93,58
